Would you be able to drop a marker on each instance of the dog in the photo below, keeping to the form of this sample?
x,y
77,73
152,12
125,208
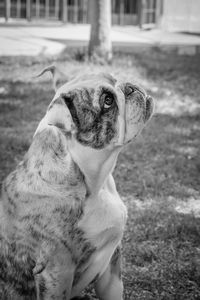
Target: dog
x,y
61,217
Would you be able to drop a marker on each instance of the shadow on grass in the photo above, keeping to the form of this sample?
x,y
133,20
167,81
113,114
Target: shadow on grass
x,y
164,161
164,255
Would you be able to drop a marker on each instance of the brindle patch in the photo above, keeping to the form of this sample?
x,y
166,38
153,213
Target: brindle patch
x,y
96,278
39,163
73,237
115,262
42,287
87,251
96,127
8,192
16,271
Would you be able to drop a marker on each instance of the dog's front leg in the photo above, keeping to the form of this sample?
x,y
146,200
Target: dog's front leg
x,y
55,280
54,286
109,286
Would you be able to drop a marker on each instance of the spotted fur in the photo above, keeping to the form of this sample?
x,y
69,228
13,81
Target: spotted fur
x,y
61,218
95,125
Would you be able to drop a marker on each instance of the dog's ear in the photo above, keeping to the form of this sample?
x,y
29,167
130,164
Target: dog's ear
x,y
61,113
56,75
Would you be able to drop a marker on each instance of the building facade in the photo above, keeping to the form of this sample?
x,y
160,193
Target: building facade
x,y
180,15
124,12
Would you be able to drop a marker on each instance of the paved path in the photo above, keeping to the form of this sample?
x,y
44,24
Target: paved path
x,y
51,39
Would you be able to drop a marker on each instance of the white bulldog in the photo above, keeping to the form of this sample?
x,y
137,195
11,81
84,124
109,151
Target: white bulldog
x,y
61,217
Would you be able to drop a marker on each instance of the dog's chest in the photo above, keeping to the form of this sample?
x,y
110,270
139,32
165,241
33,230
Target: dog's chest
x,y
104,218
103,224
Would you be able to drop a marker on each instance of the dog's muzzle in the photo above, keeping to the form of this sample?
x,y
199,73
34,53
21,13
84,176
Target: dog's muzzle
x,y
138,110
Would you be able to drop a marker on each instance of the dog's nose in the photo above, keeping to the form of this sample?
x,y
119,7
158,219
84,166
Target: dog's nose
x,y
149,107
131,89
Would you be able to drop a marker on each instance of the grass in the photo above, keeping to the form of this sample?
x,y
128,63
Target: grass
x,y
157,176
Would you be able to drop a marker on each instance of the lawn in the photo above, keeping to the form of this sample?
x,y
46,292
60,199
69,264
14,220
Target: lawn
x,y
158,176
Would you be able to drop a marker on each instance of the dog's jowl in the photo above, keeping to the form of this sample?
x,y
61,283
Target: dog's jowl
x,y
61,218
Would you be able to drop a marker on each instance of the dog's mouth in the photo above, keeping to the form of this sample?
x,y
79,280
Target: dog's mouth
x,y
149,108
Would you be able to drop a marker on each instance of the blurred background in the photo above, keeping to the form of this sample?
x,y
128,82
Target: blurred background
x,y
167,14
156,44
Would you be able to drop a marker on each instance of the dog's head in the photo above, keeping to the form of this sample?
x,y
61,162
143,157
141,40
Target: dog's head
x,y
99,112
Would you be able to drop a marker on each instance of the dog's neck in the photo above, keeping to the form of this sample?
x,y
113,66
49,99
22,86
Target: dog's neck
x,y
66,162
96,165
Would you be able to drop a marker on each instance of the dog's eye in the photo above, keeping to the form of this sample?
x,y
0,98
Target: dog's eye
x,y
129,90
108,100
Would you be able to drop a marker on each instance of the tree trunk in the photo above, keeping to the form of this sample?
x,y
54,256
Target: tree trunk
x,y
100,46
141,8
